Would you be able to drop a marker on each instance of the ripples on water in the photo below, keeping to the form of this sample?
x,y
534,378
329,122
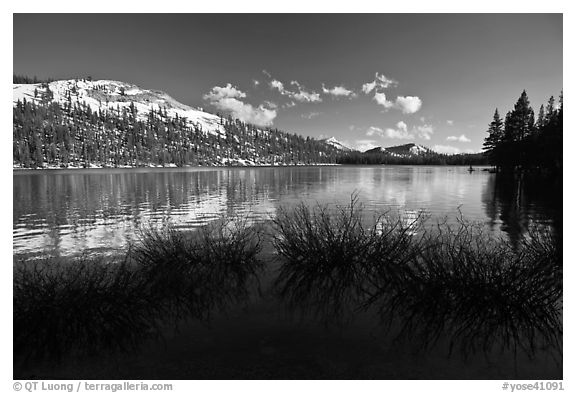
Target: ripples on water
x,y
70,211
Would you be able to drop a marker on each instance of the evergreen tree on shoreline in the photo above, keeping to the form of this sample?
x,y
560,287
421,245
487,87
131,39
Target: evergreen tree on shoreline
x,y
524,143
58,135
494,138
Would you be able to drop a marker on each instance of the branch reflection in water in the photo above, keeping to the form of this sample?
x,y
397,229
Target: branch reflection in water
x,y
452,283
87,305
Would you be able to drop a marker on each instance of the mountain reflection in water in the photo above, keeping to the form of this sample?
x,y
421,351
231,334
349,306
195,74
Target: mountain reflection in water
x,y
64,212
403,304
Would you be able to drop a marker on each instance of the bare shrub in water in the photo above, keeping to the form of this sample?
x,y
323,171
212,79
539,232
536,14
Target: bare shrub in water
x,y
193,272
87,305
83,304
454,283
479,293
329,256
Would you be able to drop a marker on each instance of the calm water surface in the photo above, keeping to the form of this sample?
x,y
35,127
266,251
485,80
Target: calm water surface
x,y
65,212
68,212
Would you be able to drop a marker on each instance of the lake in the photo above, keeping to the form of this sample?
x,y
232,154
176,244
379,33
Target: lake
x,y
64,212
263,336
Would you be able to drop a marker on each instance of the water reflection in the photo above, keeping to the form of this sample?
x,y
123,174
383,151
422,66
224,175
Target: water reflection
x,y
65,212
480,296
86,306
456,285
477,304
517,202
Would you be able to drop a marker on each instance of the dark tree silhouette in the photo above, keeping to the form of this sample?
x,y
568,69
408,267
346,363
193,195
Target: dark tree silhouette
x,y
523,143
494,138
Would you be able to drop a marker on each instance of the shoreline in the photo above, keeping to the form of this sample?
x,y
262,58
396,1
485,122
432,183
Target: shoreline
x,y
97,167
18,169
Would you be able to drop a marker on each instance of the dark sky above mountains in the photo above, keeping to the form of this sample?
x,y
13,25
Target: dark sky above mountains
x,y
367,79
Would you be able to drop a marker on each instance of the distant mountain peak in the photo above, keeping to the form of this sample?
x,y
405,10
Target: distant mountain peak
x,y
337,144
408,149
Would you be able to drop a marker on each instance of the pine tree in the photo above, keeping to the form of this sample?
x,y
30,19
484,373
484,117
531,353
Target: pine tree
x,y
521,118
495,134
550,111
541,122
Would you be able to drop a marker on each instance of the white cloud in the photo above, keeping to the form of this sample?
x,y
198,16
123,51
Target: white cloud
x,y
266,73
368,87
301,95
310,115
260,116
424,131
379,82
276,84
256,82
227,99
374,131
380,98
338,91
400,132
385,82
461,138
305,96
450,122
271,105
408,104
228,91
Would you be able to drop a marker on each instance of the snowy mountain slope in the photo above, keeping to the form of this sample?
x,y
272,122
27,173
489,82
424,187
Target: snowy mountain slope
x,y
337,144
376,150
109,123
111,95
407,150
418,149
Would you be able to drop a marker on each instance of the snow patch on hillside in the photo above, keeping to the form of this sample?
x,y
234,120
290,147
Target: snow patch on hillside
x,y
114,95
417,150
410,149
337,144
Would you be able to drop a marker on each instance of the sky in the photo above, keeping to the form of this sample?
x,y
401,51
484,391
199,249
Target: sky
x,y
366,79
